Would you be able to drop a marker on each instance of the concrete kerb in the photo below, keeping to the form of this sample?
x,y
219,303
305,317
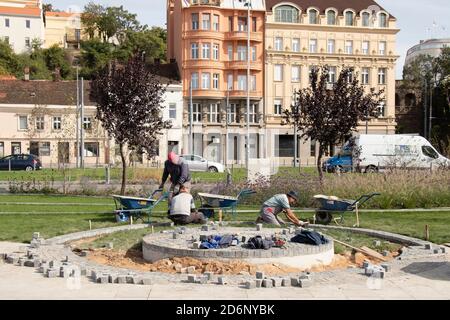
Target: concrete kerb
x,y
51,268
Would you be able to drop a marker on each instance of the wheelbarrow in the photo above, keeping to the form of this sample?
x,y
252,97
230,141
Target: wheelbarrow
x,y
136,208
331,204
226,204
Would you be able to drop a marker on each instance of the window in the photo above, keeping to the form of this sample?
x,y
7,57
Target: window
x,y
230,52
194,51
216,22
27,42
91,149
242,53
296,45
349,18
2,149
215,81
206,51
40,123
194,18
23,122
206,21
365,19
56,123
253,53
242,82
313,45
16,148
213,114
216,52
253,114
287,14
310,72
430,152
230,81
278,72
313,16
242,24
365,47
40,148
230,24
7,23
331,18
254,25
350,76
365,75
382,19
278,107
87,123
27,24
206,80
279,44
349,47
332,75
295,74
330,46
284,145
313,148
232,112
382,48
382,76
6,38
196,112
253,83
381,109
194,80
172,111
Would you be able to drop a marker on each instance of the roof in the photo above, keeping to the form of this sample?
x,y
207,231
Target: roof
x,y
25,11
61,14
42,92
166,72
322,5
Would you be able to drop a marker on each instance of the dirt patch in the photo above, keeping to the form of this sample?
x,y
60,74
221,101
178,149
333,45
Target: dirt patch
x,y
132,259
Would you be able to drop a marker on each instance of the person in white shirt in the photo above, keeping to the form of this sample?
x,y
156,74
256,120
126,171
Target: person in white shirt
x,y
182,209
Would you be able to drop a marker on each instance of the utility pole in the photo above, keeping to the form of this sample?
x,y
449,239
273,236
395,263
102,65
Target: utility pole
x,y
82,124
226,128
191,116
77,114
431,110
248,3
425,103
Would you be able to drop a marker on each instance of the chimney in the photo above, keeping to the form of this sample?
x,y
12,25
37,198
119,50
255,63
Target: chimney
x,y
26,74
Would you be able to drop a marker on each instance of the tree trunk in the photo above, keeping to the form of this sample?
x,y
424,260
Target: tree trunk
x,y
319,163
124,170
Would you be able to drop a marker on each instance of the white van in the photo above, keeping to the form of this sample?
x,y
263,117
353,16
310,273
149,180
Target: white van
x,y
386,151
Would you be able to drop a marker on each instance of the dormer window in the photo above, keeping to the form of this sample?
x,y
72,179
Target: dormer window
x,y
349,18
365,19
331,18
287,14
313,16
382,20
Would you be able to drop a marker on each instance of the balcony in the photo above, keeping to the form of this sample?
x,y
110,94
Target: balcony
x,y
243,94
203,63
204,34
242,36
242,65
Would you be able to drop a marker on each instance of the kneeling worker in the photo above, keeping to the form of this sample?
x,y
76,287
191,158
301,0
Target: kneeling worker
x,y
280,203
182,209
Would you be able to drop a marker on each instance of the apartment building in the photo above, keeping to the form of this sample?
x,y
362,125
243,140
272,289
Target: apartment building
x,y
21,22
208,40
302,34
63,29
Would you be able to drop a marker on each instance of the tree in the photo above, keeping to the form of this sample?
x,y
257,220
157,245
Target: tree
x,y
95,55
330,115
129,106
90,18
151,41
55,58
9,61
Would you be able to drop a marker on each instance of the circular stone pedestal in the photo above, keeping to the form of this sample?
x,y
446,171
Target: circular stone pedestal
x,y
159,246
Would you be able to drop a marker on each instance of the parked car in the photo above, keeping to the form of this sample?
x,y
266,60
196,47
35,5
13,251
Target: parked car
x,y
378,152
26,162
197,163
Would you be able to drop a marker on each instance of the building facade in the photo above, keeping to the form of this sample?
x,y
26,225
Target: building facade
x,y
21,22
63,29
208,40
303,34
430,47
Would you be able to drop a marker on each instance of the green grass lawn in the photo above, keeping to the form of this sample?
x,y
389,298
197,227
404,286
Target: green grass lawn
x,y
57,215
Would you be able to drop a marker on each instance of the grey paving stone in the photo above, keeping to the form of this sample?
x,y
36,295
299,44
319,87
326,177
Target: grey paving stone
x,y
294,281
191,269
267,283
250,284
276,282
191,278
386,267
258,283
121,279
147,281
52,273
222,280
104,278
304,283
209,275
29,263
286,282
428,246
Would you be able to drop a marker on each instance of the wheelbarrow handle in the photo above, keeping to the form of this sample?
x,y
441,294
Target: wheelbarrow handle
x,y
365,198
155,192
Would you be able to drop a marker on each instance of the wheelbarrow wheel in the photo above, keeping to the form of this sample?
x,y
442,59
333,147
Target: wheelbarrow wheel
x,y
323,217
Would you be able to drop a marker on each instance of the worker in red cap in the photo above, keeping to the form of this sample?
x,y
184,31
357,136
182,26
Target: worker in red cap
x,y
178,169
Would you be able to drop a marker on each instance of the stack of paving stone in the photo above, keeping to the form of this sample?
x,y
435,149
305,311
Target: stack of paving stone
x,y
205,278
375,270
37,240
262,281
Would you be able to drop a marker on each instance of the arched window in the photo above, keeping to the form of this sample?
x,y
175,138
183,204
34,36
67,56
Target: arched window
x,y
313,16
382,20
349,18
331,17
365,19
286,14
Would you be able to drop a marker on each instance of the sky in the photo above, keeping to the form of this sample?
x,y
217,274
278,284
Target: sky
x,y
416,19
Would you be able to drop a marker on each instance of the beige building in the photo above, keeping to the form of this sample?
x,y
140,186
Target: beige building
x,y
301,34
63,29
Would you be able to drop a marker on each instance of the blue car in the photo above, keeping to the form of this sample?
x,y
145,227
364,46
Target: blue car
x,y
26,162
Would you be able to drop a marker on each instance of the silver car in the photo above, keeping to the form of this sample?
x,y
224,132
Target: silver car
x,y
197,163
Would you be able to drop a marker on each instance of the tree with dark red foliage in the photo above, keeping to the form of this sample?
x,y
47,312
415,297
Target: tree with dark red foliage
x,y
329,113
129,105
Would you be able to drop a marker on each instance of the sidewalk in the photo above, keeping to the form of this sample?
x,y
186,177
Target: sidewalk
x,y
417,279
